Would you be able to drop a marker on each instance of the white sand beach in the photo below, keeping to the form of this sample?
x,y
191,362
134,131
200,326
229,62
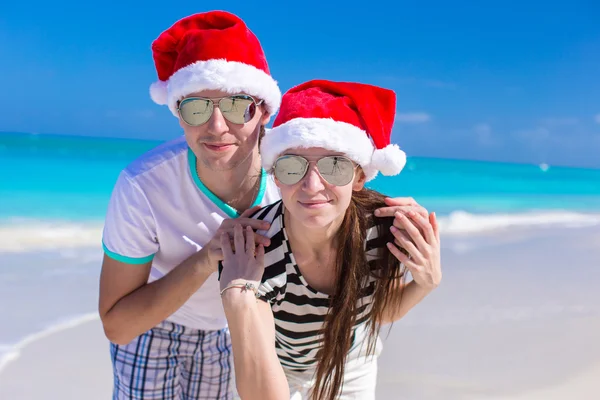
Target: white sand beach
x,y
516,317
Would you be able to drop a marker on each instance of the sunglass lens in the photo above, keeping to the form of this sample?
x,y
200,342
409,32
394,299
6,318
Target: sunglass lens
x,y
290,169
336,170
237,109
195,112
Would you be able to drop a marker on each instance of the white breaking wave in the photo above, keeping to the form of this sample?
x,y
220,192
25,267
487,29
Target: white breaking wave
x,y
18,236
9,354
460,222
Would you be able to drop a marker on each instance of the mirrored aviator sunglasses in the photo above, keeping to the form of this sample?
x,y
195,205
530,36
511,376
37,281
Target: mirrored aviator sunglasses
x,y
336,170
238,109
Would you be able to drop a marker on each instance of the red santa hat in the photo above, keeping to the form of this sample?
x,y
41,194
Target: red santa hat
x,y
211,51
350,118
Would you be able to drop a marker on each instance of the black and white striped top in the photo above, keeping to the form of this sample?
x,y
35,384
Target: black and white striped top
x,y
300,310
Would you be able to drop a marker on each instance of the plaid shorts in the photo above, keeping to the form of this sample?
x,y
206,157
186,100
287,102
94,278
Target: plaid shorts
x,y
171,361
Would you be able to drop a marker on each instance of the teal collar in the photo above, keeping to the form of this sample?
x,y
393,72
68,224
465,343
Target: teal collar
x,y
230,211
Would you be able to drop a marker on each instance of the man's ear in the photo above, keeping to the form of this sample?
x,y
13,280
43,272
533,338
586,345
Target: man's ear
x,y
265,117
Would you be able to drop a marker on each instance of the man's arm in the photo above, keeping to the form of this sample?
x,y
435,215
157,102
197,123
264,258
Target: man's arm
x,y
129,306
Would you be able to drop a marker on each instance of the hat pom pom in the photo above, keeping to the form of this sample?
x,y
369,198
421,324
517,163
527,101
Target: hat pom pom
x,y
389,161
159,92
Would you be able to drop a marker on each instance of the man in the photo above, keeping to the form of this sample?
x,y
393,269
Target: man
x,y
159,297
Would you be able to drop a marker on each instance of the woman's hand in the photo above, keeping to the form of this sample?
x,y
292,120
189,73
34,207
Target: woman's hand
x,y
245,262
259,374
420,237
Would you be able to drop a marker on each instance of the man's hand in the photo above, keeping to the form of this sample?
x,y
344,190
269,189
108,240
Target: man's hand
x,y
401,204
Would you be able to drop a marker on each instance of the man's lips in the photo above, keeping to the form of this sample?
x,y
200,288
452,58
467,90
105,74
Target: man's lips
x,y
218,146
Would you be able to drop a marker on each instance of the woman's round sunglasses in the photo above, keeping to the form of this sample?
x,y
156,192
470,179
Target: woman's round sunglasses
x,y
238,109
337,170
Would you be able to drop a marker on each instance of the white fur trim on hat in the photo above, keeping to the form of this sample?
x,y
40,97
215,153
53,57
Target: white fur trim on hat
x,y
228,76
333,135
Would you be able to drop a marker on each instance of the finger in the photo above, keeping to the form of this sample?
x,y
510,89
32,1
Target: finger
x,y
399,201
412,230
256,224
434,223
226,246
403,258
424,225
398,221
260,239
406,202
390,211
238,239
384,212
403,240
260,256
391,204
250,211
419,209
250,244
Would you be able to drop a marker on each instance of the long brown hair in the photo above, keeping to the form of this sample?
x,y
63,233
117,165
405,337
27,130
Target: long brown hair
x,y
353,271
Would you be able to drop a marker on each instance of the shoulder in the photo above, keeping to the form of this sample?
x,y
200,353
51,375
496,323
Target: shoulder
x,y
271,193
271,213
171,154
276,254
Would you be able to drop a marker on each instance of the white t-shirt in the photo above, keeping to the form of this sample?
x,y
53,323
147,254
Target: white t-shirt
x,y
161,211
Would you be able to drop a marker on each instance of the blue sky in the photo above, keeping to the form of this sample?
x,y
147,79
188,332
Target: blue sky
x,y
510,81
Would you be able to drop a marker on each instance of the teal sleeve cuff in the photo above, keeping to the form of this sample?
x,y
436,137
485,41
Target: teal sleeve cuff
x,y
127,260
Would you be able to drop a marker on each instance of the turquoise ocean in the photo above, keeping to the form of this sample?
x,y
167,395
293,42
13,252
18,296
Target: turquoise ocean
x,y
69,178
54,191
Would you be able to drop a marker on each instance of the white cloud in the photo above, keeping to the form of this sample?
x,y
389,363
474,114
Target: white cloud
x,y
597,118
413,117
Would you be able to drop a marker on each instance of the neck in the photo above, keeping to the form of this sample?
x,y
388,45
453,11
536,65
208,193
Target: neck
x,y
311,240
237,186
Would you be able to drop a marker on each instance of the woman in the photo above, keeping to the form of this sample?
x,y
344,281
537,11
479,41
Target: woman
x,y
333,273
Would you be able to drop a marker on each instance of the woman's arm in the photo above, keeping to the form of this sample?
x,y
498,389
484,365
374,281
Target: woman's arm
x,y
258,373
420,237
411,296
